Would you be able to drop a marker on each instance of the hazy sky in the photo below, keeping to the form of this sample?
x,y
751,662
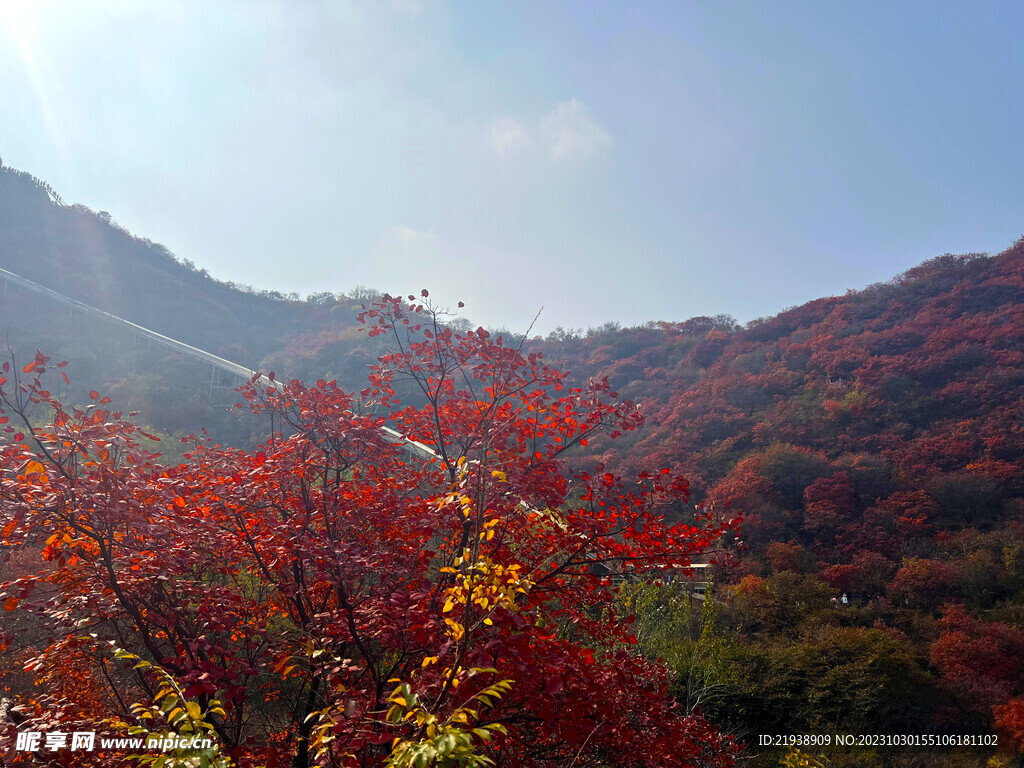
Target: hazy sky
x,y
610,161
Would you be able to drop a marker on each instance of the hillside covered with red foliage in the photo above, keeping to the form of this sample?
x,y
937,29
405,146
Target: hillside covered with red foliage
x,y
874,444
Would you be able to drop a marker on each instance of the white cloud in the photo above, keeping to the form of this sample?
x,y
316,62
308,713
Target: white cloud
x,y
508,135
408,7
407,236
409,241
571,132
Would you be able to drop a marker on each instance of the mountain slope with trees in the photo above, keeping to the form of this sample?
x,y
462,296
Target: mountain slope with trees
x,y
873,444
86,255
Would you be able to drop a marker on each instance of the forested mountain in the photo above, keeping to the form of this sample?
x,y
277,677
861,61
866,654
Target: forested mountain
x,y
873,444
87,256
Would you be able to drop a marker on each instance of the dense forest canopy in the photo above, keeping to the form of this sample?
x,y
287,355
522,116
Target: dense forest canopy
x,y
873,444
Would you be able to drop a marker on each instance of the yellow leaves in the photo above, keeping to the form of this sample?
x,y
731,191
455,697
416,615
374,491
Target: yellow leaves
x,y
37,469
443,741
488,533
502,477
402,698
455,630
451,740
170,705
795,758
484,585
428,661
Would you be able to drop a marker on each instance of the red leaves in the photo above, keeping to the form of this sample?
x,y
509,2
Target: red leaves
x,y
330,554
1009,720
553,686
37,366
979,661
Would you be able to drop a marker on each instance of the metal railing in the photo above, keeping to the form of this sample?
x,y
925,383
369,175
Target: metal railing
x,y
217,363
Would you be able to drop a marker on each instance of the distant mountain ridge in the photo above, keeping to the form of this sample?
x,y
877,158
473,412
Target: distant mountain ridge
x,y
87,256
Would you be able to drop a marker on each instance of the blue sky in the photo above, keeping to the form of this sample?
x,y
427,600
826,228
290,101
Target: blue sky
x,y
607,161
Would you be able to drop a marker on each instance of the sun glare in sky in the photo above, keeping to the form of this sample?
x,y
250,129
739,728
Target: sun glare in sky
x,y
18,18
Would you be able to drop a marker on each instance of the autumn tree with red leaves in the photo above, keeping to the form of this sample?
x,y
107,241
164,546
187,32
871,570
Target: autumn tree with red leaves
x,y
346,601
